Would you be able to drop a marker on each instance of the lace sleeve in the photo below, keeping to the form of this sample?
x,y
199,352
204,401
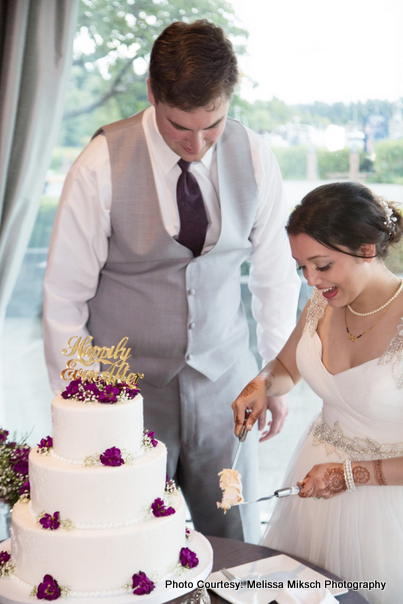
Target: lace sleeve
x,y
394,352
316,310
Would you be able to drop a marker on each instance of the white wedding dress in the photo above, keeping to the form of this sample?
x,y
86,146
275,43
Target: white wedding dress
x,y
356,535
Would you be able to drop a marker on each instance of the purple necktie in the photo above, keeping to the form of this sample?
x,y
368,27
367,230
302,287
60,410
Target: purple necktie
x,y
192,213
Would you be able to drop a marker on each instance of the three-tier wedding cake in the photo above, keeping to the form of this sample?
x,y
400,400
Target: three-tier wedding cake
x,y
102,519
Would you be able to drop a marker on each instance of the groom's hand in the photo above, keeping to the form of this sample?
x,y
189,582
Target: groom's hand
x,y
278,406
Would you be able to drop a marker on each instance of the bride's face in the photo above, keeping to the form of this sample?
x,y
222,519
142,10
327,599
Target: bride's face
x,y
340,277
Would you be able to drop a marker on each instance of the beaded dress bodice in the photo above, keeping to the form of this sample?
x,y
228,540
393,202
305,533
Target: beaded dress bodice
x,y
362,406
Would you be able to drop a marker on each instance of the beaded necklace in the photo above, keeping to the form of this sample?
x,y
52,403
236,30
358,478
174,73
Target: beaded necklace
x,y
372,312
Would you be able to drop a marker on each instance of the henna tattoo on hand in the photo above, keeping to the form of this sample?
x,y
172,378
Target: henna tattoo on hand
x,y
308,493
249,389
379,476
360,475
334,481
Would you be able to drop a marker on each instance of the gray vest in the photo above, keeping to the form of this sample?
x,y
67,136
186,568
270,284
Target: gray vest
x,y
175,308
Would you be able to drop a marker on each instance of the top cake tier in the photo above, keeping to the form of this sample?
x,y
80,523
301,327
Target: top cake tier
x,y
83,429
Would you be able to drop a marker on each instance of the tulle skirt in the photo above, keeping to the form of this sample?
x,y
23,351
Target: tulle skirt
x,y
355,535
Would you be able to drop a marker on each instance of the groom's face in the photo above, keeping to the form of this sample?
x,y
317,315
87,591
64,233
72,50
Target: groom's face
x,y
190,134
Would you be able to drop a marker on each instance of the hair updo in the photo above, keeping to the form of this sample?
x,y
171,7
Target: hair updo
x,y
347,214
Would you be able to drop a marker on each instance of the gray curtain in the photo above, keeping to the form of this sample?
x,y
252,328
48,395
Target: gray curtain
x,y
36,46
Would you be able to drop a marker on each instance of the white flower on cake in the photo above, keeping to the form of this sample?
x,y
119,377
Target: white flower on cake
x,y
231,486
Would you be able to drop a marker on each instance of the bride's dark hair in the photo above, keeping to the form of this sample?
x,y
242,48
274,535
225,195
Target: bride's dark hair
x,y
347,214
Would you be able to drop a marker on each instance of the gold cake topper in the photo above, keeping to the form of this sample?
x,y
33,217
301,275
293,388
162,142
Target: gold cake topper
x,y
87,355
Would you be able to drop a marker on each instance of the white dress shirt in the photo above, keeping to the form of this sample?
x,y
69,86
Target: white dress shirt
x,y
79,244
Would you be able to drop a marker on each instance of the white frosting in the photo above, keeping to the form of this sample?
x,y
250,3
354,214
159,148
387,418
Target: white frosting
x,y
97,494
80,430
100,560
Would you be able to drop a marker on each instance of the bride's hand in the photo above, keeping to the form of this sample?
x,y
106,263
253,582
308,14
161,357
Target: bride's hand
x,y
323,482
252,397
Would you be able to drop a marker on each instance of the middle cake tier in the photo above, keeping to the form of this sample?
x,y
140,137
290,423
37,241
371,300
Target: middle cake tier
x,y
97,495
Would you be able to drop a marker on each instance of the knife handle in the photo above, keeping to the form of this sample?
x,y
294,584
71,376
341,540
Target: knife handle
x,y
243,431
288,491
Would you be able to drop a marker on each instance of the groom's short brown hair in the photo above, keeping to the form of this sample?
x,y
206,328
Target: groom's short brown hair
x,y
192,65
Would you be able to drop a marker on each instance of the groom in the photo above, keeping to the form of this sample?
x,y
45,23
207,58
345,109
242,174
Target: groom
x,y
156,218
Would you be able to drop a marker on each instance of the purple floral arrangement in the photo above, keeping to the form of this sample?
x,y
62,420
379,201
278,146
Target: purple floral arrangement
x,y
13,468
19,460
25,489
3,435
159,508
141,584
97,390
112,457
49,589
50,522
188,559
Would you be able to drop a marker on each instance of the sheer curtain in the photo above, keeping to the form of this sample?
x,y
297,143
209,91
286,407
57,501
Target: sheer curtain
x,y
36,44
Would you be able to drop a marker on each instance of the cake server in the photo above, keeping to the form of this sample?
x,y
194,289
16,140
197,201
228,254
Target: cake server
x,y
286,492
242,437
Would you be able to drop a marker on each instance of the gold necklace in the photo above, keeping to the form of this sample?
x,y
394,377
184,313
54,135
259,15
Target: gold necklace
x,y
372,312
350,335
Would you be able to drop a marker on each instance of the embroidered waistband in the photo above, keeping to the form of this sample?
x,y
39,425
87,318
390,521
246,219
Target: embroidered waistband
x,y
336,442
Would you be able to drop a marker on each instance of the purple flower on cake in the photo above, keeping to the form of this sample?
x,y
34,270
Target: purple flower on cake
x,y
187,533
96,389
142,584
188,559
48,589
151,436
159,509
45,445
92,388
4,557
109,395
46,442
170,485
72,389
50,522
112,457
125,388
3,435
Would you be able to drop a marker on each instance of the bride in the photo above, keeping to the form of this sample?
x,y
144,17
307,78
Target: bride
x,y
348,346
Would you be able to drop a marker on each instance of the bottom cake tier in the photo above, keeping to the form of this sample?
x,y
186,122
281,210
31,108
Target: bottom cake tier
x,y
13,591
101,561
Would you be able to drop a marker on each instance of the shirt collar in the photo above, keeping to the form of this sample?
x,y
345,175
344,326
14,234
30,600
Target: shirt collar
x,y
163,154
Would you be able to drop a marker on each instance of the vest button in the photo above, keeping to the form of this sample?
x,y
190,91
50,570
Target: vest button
x,y
192,325
189,357
191,292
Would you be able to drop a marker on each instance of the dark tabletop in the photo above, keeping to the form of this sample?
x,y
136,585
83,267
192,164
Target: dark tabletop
x,y
232,553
